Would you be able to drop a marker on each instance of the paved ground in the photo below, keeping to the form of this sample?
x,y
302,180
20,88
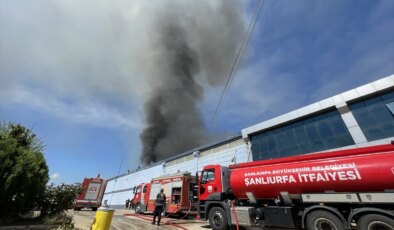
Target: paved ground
x,y
84,219
120,221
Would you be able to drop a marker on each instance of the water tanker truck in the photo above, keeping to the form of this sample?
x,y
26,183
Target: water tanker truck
x,y
91,195
332,191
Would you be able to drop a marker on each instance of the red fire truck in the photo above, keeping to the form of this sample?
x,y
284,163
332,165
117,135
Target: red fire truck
x,y
332,190
179,189
92,194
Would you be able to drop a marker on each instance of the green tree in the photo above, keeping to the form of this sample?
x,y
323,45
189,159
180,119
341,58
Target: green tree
x,y
23,169
59,198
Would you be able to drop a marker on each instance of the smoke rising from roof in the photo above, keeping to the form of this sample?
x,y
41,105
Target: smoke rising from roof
x,y
191,45
103,63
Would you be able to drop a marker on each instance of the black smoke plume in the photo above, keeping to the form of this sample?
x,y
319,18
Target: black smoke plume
x,y
193,44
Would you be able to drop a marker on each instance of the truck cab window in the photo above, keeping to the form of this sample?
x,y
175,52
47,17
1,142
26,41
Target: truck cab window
x,y
208,175
144,191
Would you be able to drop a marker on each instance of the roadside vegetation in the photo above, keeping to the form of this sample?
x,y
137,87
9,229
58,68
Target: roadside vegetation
x,y
25,195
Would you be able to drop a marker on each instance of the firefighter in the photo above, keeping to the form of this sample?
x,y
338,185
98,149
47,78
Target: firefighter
x,y
127,204
159,206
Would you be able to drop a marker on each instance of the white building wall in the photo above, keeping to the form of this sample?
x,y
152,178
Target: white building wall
x,y
223,158
127,182
120,189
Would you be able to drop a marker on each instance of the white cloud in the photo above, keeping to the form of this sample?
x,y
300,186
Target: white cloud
x,y
54,176
83,112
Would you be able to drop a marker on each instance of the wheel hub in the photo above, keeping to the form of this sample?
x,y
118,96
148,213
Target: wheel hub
x,y
217,218
324,224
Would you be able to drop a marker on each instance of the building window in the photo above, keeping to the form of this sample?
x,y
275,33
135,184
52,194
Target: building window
x,y
322,132
390,106
375,116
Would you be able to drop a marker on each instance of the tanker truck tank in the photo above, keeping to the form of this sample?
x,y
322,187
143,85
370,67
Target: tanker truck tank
x,y
314,173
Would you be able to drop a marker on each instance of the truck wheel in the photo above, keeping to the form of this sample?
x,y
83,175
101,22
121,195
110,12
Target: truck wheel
x,y
323,220
94,209
138,208
218,219
375,222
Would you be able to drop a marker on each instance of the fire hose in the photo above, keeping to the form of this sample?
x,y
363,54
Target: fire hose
x,y
168,222
234,213
150,219
187,213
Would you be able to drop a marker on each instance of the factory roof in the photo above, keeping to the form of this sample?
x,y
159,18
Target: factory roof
x,y
186,153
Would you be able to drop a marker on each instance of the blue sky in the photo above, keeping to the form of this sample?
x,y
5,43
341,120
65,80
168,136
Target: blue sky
x,y
66,72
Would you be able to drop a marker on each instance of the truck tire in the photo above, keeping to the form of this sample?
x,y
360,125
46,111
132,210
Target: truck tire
x,y
94,209
323,220
375,222
218,219
138,208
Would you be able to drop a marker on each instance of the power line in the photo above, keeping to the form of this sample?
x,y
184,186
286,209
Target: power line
x,y
240,54
116,180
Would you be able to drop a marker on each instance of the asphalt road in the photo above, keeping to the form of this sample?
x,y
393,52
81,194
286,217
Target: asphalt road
x,y
84,219
121,222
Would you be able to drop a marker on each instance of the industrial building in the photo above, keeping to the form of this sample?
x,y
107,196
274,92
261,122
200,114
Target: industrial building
x,y
363,116
225,152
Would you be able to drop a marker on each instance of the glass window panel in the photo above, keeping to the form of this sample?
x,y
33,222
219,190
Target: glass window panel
x,y
358,106
291,139
311,131
389,96
337,125
271,143
373,102
388,130
322,132
390,106
381,115
374,117
318,145
263,145
374,133
331,142
325,129
300,135
305,148
344,140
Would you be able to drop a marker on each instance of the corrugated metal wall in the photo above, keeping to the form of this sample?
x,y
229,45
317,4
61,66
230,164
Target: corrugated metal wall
x,y
120,189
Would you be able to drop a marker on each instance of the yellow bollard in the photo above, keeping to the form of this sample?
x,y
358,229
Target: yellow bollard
x,y
103,218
